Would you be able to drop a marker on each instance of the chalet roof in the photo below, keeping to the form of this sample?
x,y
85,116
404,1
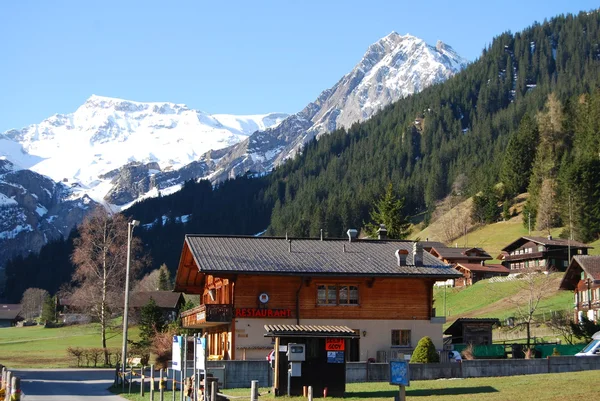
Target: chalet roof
x,y
278,256
590,264
461,253
455,328
163,299
427,245
545,241
491,268
294,330
9,311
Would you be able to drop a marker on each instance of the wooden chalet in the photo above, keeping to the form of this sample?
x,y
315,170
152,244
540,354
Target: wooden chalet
x,y
473,272
476,331
10,314
381,289
168,302
543,253
454,255
583,278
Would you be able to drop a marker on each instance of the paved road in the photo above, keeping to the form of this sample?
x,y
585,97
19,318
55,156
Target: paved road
x,y
66,384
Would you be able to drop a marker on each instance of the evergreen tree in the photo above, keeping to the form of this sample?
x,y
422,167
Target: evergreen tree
x,y
151,321
518,158
49,309
425,352
388,211
164,279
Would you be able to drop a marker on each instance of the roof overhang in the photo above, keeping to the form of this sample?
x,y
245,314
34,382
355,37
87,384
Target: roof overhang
x,y
304,331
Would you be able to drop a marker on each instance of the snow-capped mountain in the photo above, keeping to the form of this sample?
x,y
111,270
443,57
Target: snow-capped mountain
x,y
87,148
392,68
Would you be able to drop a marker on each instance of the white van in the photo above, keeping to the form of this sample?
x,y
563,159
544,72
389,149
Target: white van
x,y
593,348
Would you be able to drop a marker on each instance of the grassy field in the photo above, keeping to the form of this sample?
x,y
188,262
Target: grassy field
x,y
557,386
485,299
36,346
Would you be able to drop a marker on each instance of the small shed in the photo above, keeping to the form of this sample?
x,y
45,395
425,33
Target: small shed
x,y
324,365
10,314
472,331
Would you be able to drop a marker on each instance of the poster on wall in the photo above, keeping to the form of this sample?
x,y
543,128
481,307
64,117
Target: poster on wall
x,y
200,352
177,346
335,356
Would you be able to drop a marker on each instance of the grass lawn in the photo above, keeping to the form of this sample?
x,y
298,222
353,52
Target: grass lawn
x,y
485,299
38,347
557,386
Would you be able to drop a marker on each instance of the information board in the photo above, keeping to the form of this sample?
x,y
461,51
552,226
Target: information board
x,y
335,344
335,356
200,352
399,373
177,346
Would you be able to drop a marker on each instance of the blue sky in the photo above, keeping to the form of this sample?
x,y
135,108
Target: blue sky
x,y
236,57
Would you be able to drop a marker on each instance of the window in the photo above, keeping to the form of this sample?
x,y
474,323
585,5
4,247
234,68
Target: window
x,y
332,294
540,248
400,338
543,262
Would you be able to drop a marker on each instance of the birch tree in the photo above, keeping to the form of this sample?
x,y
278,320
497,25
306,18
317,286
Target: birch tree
x,y
100,256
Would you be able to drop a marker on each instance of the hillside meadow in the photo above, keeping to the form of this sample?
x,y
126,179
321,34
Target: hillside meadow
x,y
39,347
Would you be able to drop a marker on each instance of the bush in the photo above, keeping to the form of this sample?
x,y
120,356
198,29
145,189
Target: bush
x,y
76,353
425,352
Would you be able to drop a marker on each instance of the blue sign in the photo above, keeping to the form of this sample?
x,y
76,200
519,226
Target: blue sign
x,y
399,373
176,358
335,356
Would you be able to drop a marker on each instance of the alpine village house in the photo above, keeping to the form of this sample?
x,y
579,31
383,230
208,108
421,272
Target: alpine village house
x,y
541,253
583,278
381,289
470,262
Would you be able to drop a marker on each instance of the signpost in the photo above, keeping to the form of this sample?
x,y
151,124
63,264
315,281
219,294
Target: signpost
x,y
400,375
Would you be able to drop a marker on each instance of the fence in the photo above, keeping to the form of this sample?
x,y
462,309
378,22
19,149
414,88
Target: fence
x,y
10,386
357,372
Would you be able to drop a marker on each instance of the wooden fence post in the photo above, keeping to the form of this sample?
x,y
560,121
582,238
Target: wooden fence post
x,y
151,382
213,390
7,387
161,386
254,390
16,389
142,377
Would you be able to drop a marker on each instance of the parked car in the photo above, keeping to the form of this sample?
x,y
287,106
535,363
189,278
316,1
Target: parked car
x,y
593,348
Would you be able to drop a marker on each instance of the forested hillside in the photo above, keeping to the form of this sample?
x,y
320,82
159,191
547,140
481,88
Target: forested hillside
x,y
450,137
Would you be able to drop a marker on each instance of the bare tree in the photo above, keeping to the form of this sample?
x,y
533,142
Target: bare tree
x,y
32,302
547,209
100,258
533,287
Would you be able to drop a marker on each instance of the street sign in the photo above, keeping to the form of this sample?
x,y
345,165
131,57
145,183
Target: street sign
x,y
176,359
399,373
200,351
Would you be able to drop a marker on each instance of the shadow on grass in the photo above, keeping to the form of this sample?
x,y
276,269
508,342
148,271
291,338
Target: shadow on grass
x,y
422,393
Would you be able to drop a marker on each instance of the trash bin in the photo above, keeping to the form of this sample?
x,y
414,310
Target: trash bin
x,y
517,351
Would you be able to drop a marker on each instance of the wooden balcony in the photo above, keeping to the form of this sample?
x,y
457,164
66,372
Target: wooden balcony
x,y
207,315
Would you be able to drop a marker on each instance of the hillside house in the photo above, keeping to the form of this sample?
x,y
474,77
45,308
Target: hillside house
x,y
583,278
541,253
169,302
473,272
453,255
10,314
381,289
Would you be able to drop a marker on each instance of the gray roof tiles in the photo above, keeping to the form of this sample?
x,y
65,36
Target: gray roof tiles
x,y
267,255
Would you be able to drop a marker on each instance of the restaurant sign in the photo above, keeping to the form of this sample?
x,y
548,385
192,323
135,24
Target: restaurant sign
x,y
268,313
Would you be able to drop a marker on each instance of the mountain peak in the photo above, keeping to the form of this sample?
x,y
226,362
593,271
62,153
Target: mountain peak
x,y
113,103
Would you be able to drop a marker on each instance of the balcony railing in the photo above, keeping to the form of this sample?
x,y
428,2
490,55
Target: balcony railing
x,y
208,313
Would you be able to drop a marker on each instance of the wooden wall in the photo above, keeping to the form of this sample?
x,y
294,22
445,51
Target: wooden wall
x,y
379,298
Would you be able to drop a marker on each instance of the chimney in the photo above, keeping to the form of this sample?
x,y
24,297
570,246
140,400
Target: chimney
x,y
401,255
482,263
352,234
321,234
417,254
382,232
290,243
550,237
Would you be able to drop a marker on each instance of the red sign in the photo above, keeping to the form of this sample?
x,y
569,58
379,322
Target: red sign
x,y
268,313
335,344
